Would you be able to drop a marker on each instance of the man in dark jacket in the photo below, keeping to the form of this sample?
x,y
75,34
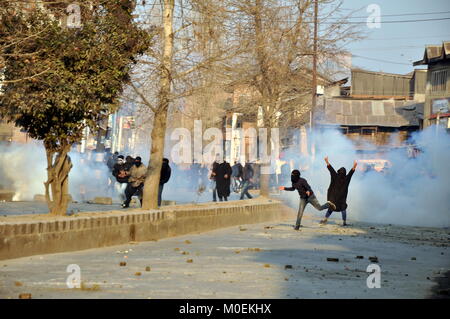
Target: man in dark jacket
x,y
338,190
306,196
164,178
247,180
222,174
121,173
236,175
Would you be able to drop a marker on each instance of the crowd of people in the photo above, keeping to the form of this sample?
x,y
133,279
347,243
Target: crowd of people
x,y
128,176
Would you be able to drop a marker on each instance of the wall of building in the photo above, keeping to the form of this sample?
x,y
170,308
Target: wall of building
x,y
437,99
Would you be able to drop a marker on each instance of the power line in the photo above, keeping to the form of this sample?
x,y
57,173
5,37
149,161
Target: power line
x,y
379,60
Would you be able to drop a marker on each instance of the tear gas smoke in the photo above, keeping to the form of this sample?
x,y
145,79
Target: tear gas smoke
x,y
412,191
24,167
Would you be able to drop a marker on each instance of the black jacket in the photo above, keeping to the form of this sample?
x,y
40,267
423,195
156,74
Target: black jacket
x,y
338,189
166,171
248,172
302,187
118,172
222,182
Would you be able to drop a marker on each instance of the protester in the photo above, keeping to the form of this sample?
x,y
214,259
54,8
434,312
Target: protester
x,y
135,182
247,180
121,173
306,196
236,176
212,177
164,178
338,190
222,174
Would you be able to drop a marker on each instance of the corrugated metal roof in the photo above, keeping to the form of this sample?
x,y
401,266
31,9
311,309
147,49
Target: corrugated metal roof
x,y
387,113
435,53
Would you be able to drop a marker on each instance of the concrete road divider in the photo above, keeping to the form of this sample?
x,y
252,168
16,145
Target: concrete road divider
x,y
28,235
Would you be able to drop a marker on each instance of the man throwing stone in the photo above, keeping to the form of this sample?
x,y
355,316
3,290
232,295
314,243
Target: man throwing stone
x,y
306,196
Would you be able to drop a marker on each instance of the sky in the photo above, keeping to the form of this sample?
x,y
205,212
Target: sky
x,y
399,43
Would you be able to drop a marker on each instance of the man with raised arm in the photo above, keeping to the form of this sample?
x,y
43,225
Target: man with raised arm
x,y
338,190
306,196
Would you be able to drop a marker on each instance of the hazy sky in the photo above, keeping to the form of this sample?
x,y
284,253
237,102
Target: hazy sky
x,y
402,43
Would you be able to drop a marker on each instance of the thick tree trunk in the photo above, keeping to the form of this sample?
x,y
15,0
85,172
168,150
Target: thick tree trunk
x,y
264,177
57,184
151,185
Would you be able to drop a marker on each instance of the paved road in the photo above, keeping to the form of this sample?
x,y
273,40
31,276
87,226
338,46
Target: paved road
x,y
248,261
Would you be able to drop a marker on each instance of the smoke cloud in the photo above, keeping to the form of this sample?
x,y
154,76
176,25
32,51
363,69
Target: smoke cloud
x,y
412,191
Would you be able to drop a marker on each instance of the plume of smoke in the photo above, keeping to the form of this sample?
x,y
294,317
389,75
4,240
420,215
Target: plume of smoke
x,y
23,170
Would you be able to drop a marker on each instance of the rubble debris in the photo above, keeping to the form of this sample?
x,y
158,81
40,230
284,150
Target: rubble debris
x,y
373,259
122,264
359,257
288,267
147,268
176,249
187,242
18,284
185,253
189,261
413,258
25,296
138,273
333,259
242,229
266,265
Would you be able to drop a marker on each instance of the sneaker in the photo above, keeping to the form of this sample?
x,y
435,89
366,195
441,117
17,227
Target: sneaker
x,y
323,221
125,206
345,224
297,228
332,206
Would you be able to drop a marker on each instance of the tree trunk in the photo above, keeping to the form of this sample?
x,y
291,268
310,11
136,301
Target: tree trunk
x,y
57,183
151,185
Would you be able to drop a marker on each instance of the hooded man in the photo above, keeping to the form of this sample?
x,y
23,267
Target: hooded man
x,y
222,174
306,196
236,175
164,178
247,180
135,182
120,172
338,190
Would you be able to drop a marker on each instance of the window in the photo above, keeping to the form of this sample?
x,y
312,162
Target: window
x,y
439,80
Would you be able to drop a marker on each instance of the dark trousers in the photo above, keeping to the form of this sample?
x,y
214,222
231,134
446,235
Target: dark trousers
x,y
130,191
160,190
343,213
245,187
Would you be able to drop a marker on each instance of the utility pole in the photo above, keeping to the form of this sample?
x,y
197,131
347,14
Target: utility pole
x,y
314,70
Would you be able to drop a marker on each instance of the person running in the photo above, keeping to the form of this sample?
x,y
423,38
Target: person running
x,y
135,182
338,190
306,196
166,171
247,180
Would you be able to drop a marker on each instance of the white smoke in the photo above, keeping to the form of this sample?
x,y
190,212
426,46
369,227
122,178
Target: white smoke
x,y
414,191
23,170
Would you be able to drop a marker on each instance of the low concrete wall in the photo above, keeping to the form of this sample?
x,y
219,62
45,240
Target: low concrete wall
x,y
22,237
